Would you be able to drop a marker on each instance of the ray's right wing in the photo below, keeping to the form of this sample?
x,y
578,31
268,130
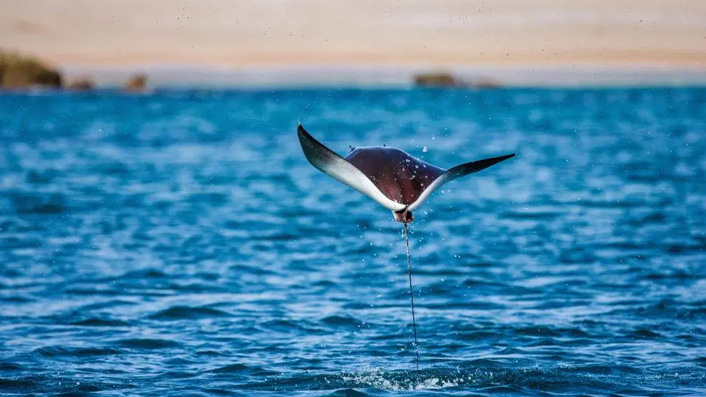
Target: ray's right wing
x,y
457,172
335,166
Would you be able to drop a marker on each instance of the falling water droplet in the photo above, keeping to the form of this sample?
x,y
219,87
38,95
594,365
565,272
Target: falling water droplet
x,y
425,149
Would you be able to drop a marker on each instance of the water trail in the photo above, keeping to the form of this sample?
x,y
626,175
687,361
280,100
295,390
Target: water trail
x,y
411,294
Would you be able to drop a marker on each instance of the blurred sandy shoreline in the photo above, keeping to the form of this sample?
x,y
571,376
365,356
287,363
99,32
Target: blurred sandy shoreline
x,y
371,76
211,41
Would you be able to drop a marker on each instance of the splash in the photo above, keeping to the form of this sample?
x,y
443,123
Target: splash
x,y
403,381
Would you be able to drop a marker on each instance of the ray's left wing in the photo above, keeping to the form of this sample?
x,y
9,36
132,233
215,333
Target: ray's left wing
x,y
335,166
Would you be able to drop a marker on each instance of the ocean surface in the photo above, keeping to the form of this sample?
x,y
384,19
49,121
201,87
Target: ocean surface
x,y
179,244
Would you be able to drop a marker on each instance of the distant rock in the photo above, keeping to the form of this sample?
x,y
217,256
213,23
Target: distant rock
x,y
436,80
18,72
443,79
81,84
137,83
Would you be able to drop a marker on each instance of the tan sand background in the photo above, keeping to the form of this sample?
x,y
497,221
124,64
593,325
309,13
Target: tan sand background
x,y
124,34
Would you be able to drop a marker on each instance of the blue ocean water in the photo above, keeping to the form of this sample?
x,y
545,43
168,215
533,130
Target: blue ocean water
x,y
178,243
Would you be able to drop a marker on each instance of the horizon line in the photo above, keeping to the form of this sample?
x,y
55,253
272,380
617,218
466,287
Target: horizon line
x,y
340,75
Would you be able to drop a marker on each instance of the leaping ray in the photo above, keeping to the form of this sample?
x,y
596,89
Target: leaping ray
x,y
393,178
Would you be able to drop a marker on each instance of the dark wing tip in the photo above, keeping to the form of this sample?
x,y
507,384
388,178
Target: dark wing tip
x,y
507,156
305,138
494,160
475,166
316,152
307,141
485,163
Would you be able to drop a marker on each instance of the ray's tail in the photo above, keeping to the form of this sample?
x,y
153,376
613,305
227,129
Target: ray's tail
x,y
411,294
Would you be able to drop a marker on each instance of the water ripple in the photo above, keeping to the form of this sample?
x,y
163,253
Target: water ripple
x,y
178,243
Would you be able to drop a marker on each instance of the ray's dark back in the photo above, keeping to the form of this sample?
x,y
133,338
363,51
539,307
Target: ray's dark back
x,y
399,176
